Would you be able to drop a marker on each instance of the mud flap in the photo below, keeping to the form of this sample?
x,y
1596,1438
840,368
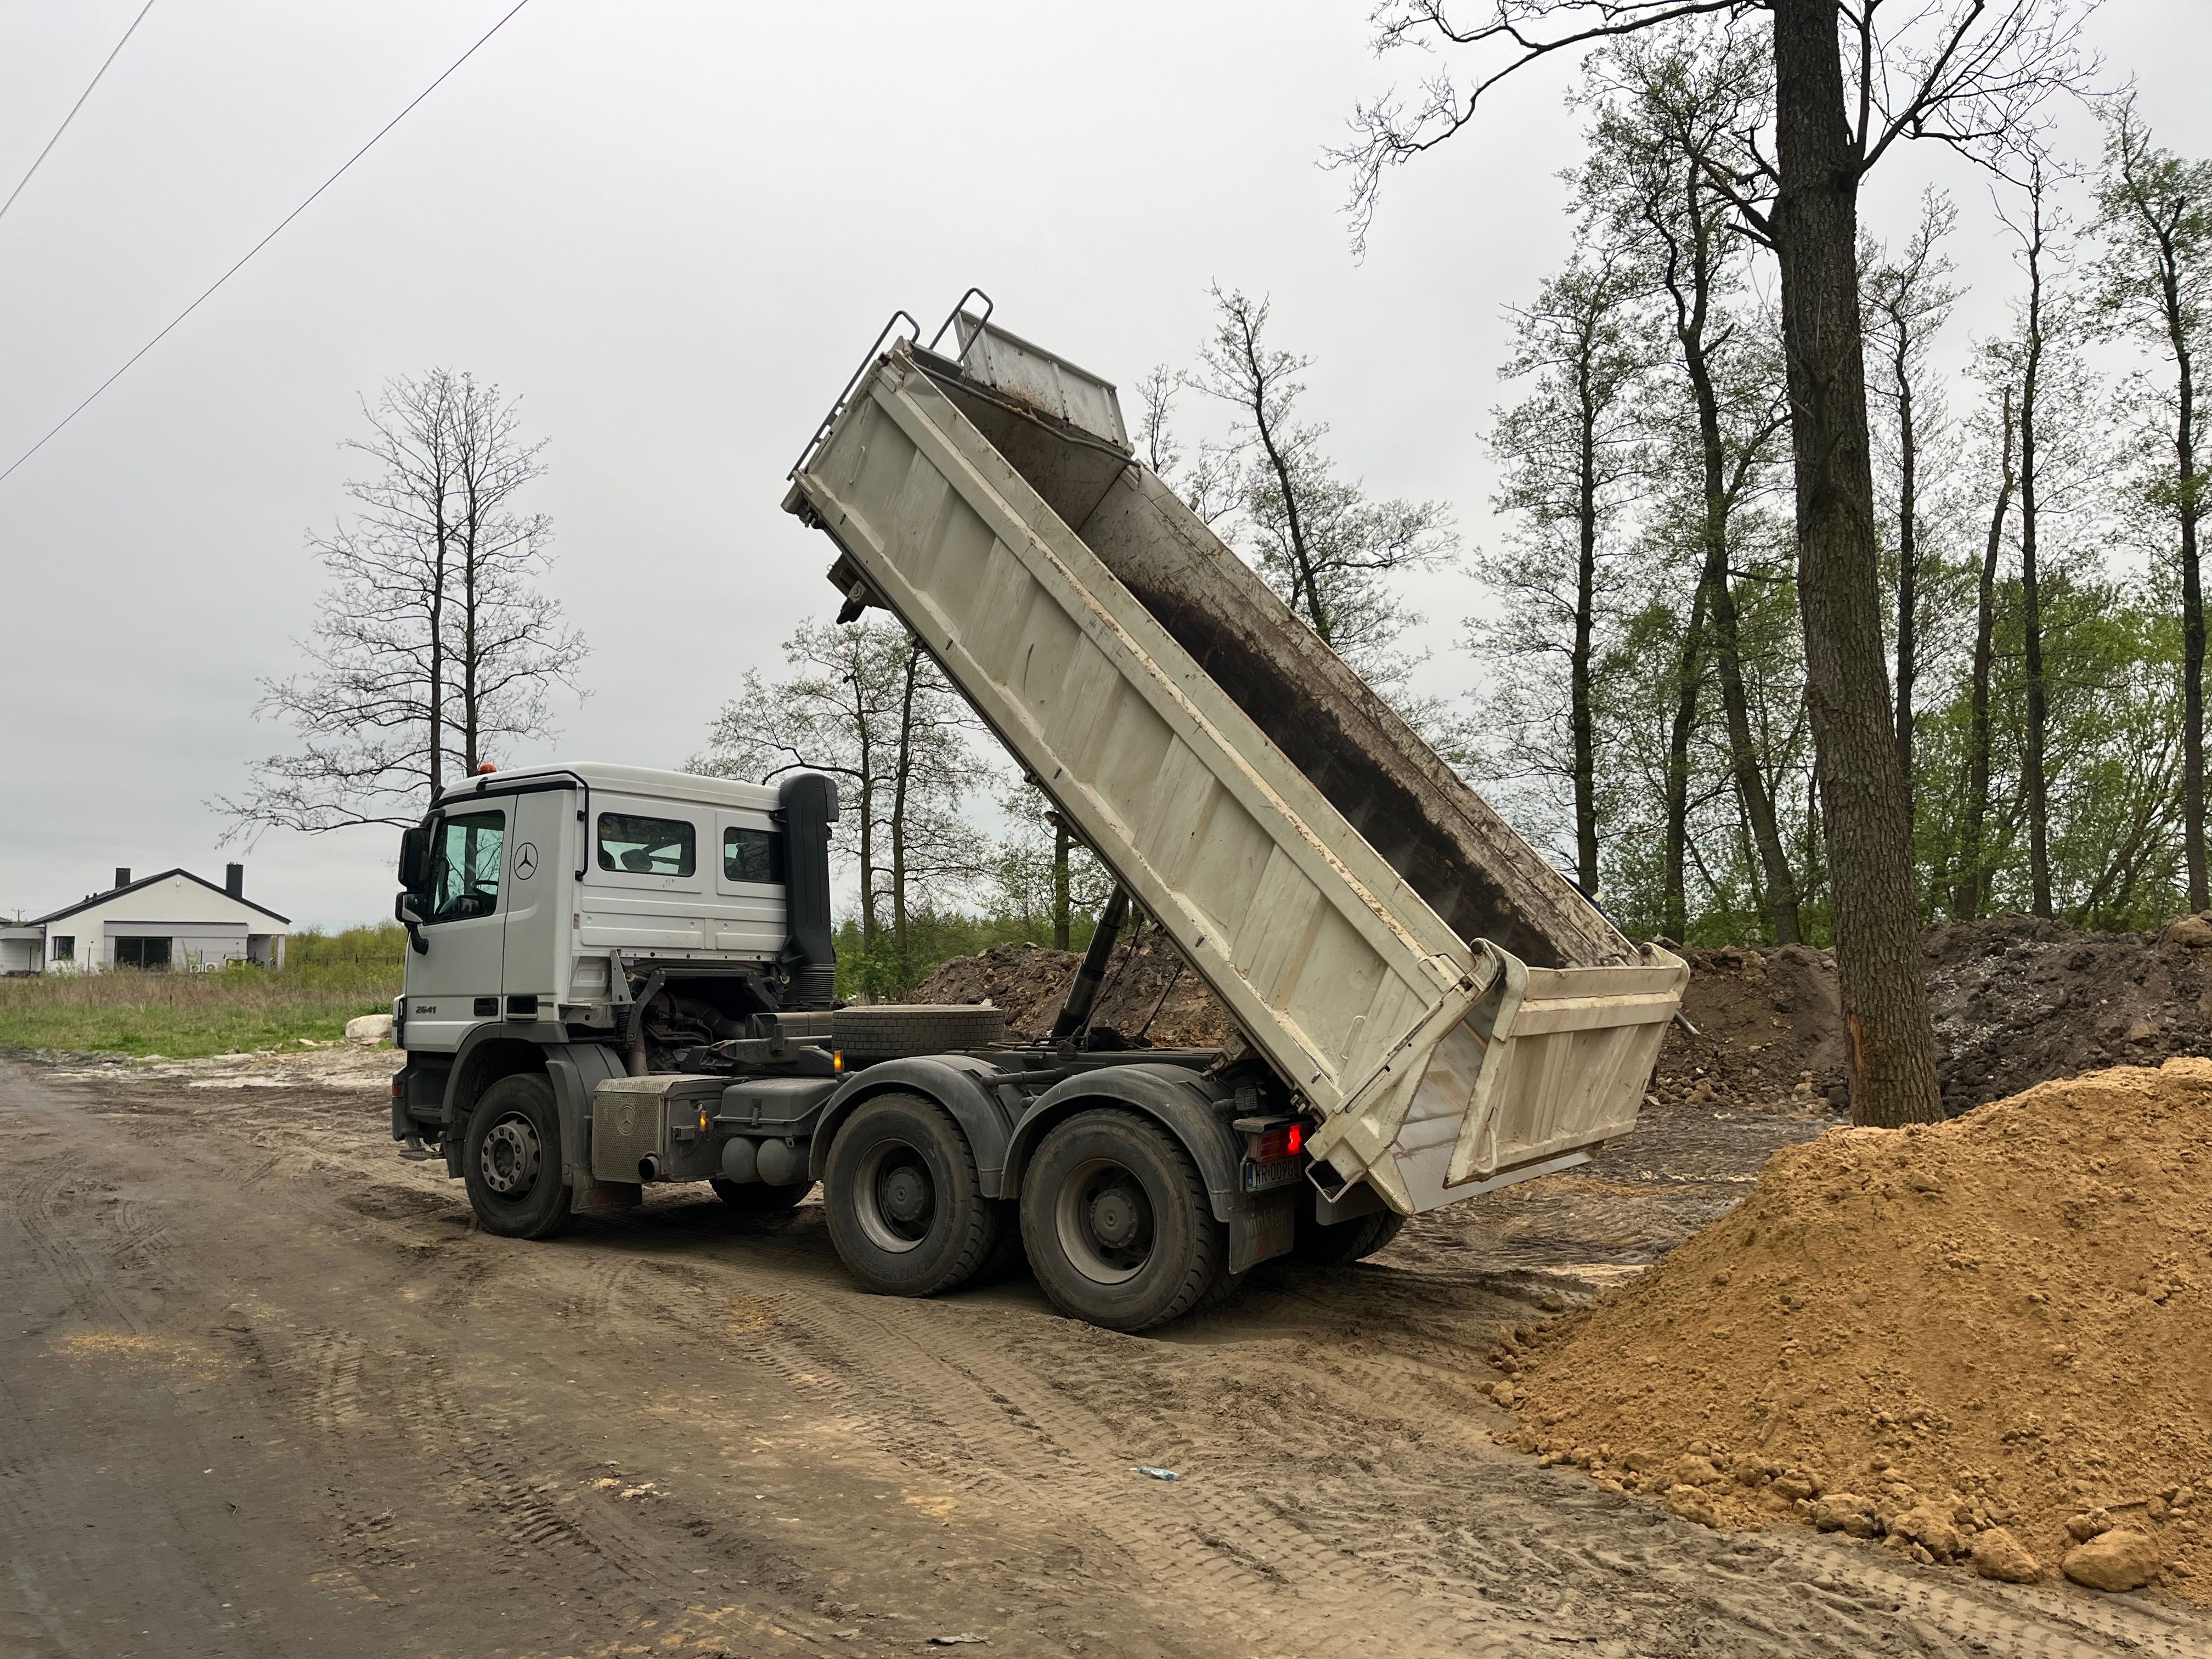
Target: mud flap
x,y
1263,1225
599,1196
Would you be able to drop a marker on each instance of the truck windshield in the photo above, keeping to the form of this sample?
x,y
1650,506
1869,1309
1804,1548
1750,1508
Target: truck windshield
x,y
648,846
465,866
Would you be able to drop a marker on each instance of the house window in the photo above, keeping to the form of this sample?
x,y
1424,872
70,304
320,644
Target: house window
x,y
152,954
466,860
752,855
64,947
648,846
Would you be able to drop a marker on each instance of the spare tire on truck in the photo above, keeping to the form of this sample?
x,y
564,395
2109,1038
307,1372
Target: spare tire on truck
x,y
889,1029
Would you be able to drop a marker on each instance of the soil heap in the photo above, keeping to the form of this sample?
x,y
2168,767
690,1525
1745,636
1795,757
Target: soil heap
x,y
1770,1029
2016,1001
1988,1340
1148,998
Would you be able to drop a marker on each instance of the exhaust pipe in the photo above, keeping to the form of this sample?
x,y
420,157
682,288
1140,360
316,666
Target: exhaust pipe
x,y
648,1168
808,806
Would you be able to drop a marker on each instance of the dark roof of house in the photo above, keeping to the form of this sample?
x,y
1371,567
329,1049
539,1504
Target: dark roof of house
x,y
86,902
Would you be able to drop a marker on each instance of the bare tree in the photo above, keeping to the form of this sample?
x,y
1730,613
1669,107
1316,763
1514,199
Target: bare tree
x,y
433,648
1851,81
2155,284
1320,540
2034,233
1973,883
866,705
1668,125
1573,451
1908,300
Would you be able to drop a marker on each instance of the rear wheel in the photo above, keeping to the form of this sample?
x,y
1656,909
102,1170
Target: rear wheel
x,y
1340,1244
511,1159
757,1197
906,1206
1117,1223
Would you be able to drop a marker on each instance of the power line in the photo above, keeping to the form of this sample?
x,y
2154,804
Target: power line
x,y
263,242
77,106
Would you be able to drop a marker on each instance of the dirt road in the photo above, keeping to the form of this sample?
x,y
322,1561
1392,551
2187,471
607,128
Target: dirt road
x,y
264,1392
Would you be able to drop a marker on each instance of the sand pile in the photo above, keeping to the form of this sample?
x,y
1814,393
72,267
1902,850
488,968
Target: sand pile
x,y
1988,1341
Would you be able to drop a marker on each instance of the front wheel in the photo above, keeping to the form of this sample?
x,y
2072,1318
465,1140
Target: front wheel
x,y
1117,1222
905,1205
511,1159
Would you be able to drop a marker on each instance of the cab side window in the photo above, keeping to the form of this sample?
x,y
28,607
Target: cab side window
x,y
648,846
466,858
752,855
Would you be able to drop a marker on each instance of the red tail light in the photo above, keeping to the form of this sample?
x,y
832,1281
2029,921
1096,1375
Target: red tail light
x,y
1284,1141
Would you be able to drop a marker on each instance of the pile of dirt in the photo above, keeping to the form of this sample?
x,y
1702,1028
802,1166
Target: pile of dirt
x,y
1770,1030
1148,998
2016,1000
1986,1342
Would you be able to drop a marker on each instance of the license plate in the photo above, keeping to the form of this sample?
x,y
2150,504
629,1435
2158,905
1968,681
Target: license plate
x,y
1275,1172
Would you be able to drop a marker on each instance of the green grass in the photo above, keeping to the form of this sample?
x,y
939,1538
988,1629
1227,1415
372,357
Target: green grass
x,y
327,979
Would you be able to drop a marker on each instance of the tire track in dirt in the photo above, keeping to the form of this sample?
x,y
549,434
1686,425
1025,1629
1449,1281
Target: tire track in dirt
x,y
997,1411
1340,1493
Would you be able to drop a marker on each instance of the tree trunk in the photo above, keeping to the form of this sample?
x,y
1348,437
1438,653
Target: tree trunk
x,y
1688,670
1908,556
438,653
1062,918
869,926
1891,1037
902,962
1736,703
2035,783
472,605
2192,593
1581,721
1967,896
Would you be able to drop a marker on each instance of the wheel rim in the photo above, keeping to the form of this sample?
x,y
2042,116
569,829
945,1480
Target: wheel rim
x,y
511,1156
896,1197
1104,1219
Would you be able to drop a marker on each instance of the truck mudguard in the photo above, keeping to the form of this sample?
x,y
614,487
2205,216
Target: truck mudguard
x,y
1172,1096
960,1086
576,1070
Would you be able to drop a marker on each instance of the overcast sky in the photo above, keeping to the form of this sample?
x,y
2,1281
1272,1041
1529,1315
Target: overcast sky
x,y
672,228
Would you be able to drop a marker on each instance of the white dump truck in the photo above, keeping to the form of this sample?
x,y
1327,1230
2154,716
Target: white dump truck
x,y
621,977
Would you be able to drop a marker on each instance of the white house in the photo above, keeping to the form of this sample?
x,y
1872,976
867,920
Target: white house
x,y
174,920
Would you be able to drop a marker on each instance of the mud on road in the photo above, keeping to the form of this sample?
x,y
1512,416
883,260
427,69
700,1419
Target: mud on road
x,y
265,1392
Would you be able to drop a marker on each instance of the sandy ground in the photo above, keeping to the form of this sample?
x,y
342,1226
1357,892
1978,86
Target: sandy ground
x,y
265,1392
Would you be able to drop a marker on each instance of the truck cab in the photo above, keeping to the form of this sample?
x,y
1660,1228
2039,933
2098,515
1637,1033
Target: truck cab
x,y
619,977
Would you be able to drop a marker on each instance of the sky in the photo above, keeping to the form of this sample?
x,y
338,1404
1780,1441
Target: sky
x,y
670,230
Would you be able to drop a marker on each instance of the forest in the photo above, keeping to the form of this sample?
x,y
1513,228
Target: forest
x,y
1633,678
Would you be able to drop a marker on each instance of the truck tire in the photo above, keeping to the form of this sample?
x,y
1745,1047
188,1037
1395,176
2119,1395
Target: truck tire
x,y
1338,1244
758,1197
511,1159
905,1207
885,1032
1119,1229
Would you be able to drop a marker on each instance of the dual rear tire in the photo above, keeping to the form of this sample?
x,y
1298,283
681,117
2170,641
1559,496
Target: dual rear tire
x,y
1118,1223
1114,1218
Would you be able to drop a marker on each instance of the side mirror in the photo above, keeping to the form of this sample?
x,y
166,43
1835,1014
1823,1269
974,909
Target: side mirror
x,y
403,912
414,857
